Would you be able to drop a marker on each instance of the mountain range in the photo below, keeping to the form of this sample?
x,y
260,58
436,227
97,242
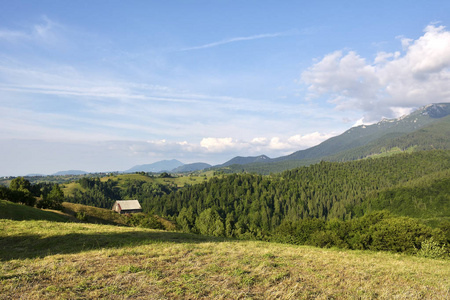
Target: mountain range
x,y
159,166
426,128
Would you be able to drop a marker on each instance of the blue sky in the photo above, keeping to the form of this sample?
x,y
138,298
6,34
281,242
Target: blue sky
x,y
106,85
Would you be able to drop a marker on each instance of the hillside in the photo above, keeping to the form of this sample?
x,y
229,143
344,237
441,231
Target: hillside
x,y
70,172
364,134
191,167
425,129
254,205
18,212
42,259
432,136
160,166
239,160
102,192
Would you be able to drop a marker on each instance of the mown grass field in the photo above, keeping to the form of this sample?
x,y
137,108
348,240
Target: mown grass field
x,y
56,259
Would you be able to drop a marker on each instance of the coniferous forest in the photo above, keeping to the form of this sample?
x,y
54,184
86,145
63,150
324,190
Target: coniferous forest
x,y
399,203
363,204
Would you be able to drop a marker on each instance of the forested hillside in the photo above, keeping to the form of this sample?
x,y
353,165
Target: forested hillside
x,y
325,204
256,205
414,185
425,129
102,192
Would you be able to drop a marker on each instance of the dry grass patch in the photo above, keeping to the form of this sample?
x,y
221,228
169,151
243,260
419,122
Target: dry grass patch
x,y
189,267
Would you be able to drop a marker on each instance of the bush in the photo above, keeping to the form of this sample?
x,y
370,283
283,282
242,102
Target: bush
x,y
432,249
326,239
398,235
81,215
144,220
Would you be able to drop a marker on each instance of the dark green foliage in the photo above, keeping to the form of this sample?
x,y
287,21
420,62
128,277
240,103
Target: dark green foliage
x,y
103,194
144,220
19,192
52,200
209,222
378,231
328,204
398,235
256,205
96,193
424,197
20,183
165,175
445,228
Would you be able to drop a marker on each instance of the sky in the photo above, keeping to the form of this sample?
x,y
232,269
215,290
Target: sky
x,y
103,86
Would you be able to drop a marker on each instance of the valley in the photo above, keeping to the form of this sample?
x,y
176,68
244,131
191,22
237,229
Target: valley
x,y
365,214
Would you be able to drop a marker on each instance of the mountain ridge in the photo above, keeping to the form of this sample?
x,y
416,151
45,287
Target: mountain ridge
x,y
355,143
364,140
156,167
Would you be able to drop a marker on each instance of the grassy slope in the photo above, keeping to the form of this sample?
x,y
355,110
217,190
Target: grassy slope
x,y
42,259
105,216
94,214
14,211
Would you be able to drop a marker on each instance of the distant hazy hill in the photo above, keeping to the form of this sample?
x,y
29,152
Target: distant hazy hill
x,y
191,167
70,172
239,160
160,166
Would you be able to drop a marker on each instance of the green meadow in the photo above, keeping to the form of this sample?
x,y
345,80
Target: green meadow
x,y
44,255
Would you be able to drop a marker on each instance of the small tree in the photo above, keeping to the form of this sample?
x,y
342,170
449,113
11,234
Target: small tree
x,y
20,191
53,200
20,183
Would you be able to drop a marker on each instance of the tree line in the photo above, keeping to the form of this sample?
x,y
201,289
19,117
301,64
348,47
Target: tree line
x,y
41,195
327,193
325,204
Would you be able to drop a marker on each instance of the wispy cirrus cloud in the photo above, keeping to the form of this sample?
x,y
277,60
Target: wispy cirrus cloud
x,y
241,39
44,30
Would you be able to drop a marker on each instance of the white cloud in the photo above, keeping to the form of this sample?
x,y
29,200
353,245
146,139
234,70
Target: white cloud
x,y
259,141
218,144
392,84
44,32
309,140
277,144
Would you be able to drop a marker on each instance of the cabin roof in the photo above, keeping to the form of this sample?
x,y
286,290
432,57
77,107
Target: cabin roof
x,y
128,204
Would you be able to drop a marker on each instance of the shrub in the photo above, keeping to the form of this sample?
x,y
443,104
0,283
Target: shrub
x,y
81,215
398,235
144,220
432,249
326,239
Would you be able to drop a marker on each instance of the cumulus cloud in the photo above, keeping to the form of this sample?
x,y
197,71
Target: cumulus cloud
x,y
218,144
392,84
274,146
309,140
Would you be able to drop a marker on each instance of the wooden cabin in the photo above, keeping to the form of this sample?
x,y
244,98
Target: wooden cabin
x,y
127,206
